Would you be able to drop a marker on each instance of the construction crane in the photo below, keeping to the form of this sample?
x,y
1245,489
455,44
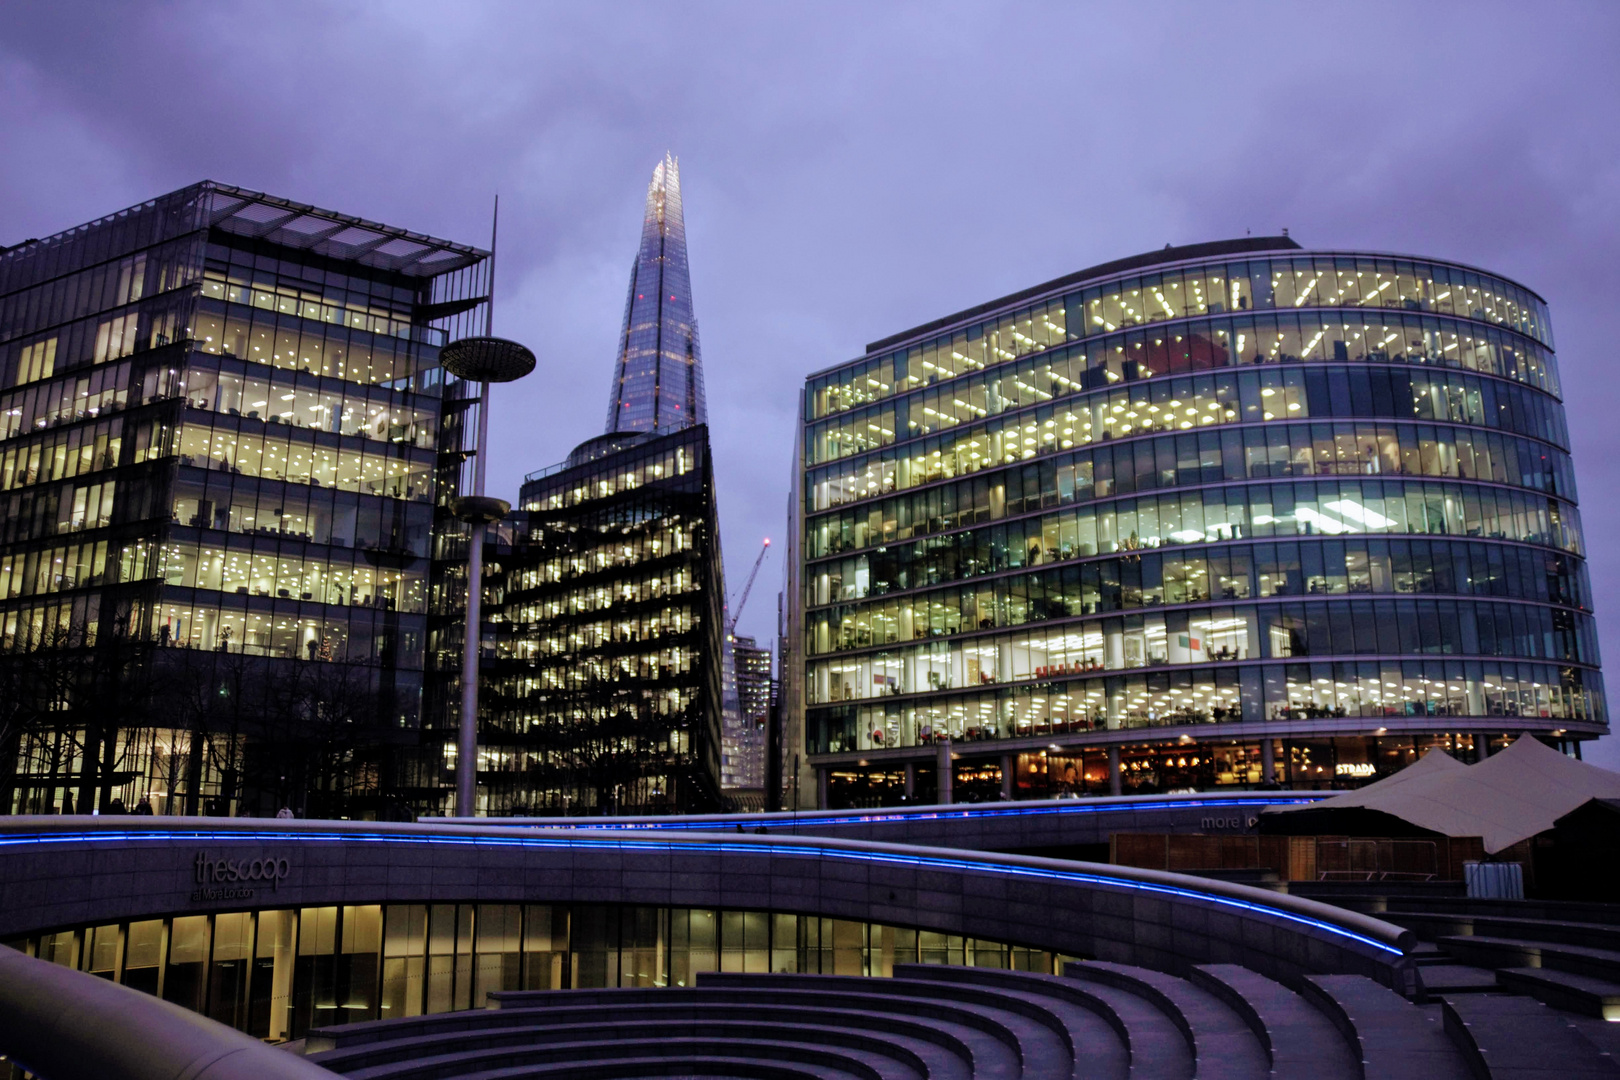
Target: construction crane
x,y
731,624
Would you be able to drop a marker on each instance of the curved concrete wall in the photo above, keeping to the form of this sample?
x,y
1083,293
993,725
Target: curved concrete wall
x,y
71,1026
59,873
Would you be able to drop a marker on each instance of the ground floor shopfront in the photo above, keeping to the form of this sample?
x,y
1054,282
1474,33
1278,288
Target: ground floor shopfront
x,y
277,973
980,774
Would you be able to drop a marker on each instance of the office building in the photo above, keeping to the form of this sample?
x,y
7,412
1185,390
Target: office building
x,y
604,692
224,440
1230,514
743,763
606,687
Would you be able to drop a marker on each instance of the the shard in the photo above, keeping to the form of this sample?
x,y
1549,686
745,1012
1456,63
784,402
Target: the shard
x,y
658,381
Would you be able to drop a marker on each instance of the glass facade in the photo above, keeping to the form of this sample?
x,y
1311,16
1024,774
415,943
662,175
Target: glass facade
x,y
224,442
601,690
743,762
1203,502
658,380
276,974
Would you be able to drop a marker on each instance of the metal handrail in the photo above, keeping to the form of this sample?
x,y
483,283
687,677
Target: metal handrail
x,y
67,1025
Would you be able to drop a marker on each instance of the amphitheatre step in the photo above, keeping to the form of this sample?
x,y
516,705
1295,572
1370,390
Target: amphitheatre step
x,y
1034,1037
1583,994
512,1062
1219,1040
944,1037
376,1060
1576,911
1098,1039
1393,1038
689,1067
1518,1038
1494,952
1300,1042
1437,979
1427,952
993,1048
1158,1043
1432,925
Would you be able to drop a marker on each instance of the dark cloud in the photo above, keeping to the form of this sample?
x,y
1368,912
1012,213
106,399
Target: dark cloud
x,y
851,170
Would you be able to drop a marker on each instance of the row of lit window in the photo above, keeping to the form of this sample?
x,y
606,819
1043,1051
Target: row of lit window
x,y
357,313
1207,290
333,579
291,635
332,406
1095,412
1379,690
618,551
1200,401
261,507
71,621
96,393
274,456
1228,572
644,470
1184,461
29,515
573,637
54,569
291,343
1273,631
1137,526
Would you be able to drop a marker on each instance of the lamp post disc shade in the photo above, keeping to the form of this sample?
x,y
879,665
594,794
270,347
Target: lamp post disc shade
x,y
476,509
486,359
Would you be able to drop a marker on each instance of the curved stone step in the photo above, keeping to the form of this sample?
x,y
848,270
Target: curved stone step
x,y
1582,994
1436,980
1219,1041
1031,1036
1494,952
1098,1038
687,1067
1518,1038
1392,1038
511,1061
1159,1046
376,1061
1300,1042
1432,925
992,1049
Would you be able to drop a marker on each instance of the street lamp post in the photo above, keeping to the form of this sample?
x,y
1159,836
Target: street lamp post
x,y
483,360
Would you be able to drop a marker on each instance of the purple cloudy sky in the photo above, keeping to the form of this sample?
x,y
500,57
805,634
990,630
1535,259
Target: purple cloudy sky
x,y
852,169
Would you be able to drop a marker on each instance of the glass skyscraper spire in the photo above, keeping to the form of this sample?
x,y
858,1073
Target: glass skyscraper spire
x,y
658,381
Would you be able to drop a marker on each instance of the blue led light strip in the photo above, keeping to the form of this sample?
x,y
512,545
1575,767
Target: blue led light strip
x,y
799,848
786,821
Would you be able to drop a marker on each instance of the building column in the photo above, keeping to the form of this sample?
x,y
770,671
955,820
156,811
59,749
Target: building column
x,y
1007,763
1115,783
1482,746
823,773
911,780
946,772
1268,761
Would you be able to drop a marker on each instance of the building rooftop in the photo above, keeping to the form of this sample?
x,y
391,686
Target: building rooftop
x,y
338,236
301,226
1167,254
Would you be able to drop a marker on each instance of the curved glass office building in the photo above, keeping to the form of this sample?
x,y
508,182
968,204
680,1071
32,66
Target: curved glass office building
x,y
1217,515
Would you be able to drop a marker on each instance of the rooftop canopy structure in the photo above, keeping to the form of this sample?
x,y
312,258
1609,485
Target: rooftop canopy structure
x,y
1509,797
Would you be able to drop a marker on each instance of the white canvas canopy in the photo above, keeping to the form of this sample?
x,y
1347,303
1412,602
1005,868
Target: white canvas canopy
x,y
1506,798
